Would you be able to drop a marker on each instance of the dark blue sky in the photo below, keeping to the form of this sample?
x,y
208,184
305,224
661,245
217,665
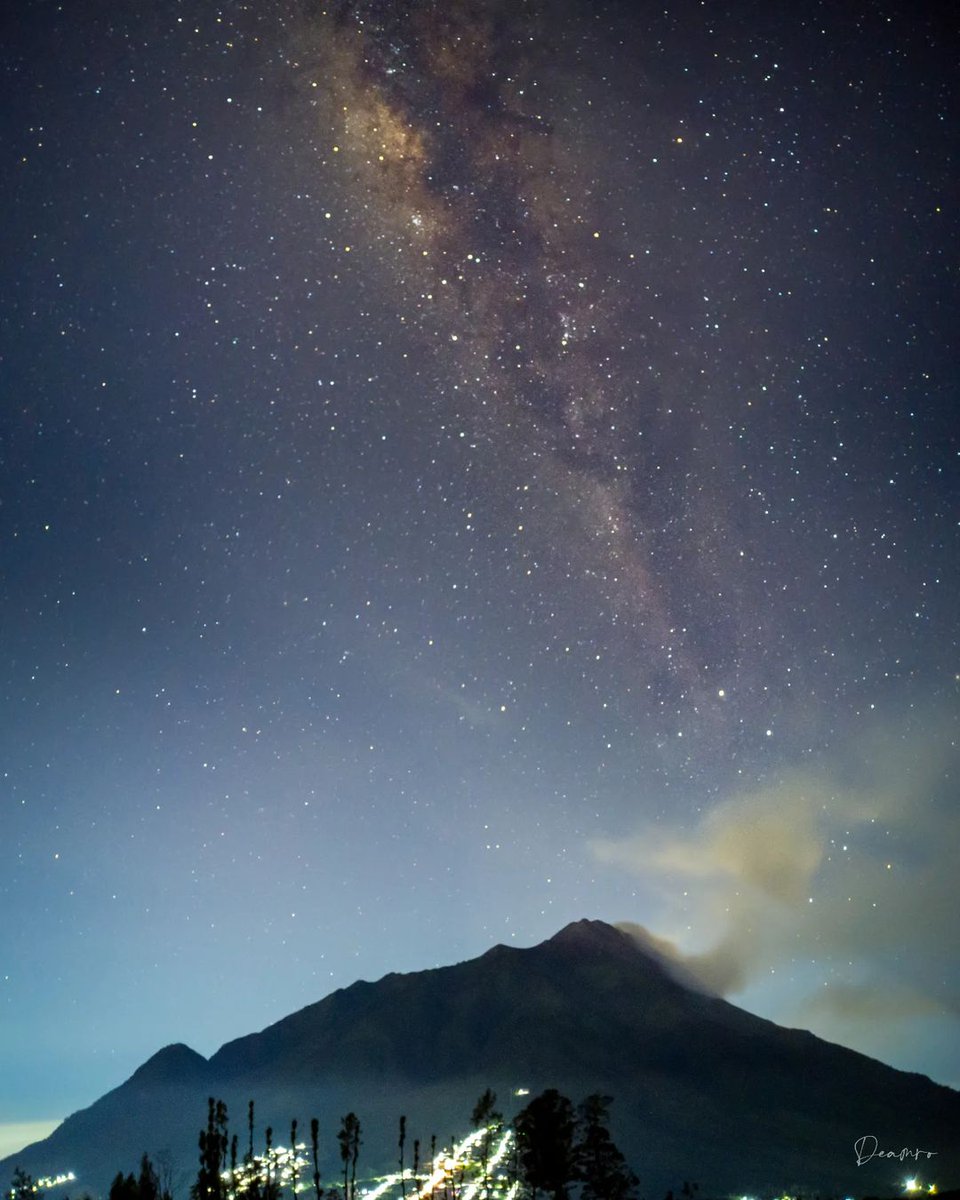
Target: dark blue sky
x,y
464,470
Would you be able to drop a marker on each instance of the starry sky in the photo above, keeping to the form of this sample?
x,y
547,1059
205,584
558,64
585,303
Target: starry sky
x,y
466,467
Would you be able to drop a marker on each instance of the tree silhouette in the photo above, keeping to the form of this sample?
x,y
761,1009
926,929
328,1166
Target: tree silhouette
x,y
145,1186
293,1156
250,1188
600,1166
213,1153
349,1139
401,1144
544,1131
271,1186
123,1187
451,1175
22,1186
486,1117
315,1153
149,1182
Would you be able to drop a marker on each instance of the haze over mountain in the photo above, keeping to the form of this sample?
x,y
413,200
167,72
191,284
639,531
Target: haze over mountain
x,y
702,1090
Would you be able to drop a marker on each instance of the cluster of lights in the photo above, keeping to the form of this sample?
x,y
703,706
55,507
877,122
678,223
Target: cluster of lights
x,y
291,1168
282,1165
449,1163
46,1182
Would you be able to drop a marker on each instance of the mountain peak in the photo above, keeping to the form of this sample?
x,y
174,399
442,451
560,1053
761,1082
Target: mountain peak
x,y
595,935
171,1064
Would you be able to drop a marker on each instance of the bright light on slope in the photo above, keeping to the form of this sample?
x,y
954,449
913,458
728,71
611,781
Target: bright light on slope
x,y
445,1163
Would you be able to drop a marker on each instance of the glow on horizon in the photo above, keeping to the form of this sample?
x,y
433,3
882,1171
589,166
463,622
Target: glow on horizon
x,y
17,1135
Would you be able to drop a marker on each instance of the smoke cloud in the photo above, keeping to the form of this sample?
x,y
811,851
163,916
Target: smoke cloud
x,y
828,900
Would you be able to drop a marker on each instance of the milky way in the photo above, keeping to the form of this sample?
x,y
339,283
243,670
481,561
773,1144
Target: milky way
x,y
672,478
519,278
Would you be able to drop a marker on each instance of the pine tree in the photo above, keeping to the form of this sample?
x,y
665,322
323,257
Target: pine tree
x,y
148,1183
123,1187
234,1189
544,1131
315,1152
213,1154
271,1186
293,1159
145,1186
486,1117
600,1166
222,1142
349,1139
251,1183
402,1142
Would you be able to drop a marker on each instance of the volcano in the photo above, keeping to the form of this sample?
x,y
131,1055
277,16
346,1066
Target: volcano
x,y
702,1091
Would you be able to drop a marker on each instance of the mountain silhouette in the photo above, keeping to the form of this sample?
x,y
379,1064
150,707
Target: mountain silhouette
x,y
702,1090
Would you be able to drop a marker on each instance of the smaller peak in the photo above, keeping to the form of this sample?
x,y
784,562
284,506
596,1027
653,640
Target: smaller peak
x,y
498,951
176,1063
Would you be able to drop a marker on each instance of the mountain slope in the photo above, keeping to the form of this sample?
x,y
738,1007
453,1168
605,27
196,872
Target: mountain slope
x,y
702,1089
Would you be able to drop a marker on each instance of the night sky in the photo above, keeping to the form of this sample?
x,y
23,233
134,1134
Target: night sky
x,y
469,466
